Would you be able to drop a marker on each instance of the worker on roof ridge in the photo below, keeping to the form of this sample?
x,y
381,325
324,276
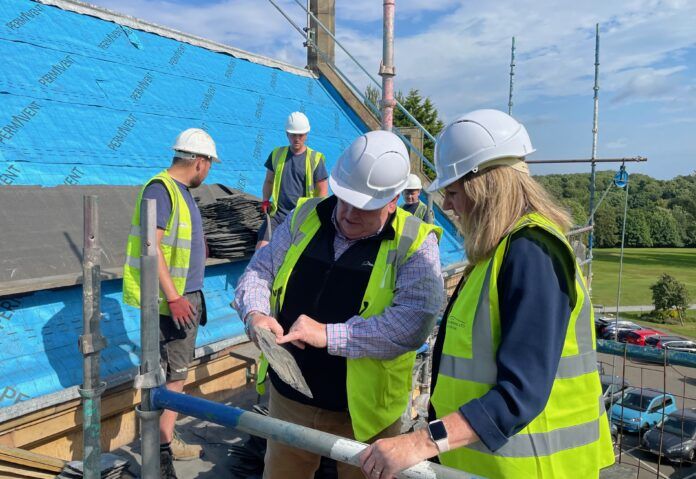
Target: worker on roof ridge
x,y
292,172
352,285
515,389
182,252
412,202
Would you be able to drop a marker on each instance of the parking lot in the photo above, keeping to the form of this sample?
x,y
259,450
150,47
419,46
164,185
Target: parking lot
x,y
679,381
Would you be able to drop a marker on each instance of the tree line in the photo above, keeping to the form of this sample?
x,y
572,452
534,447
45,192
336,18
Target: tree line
x,y
661,213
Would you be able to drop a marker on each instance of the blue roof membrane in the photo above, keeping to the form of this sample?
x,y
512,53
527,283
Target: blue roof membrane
x,y
87,101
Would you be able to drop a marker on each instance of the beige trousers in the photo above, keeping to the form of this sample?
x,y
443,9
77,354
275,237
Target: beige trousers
x,y
285,462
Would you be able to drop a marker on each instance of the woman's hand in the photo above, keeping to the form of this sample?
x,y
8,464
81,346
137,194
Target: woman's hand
x,y
387,457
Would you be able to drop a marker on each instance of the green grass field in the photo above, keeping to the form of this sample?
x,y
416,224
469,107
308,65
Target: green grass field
x,y
642,268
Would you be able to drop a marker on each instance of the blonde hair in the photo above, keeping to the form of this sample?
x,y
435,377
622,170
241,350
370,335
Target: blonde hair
x,y
496,198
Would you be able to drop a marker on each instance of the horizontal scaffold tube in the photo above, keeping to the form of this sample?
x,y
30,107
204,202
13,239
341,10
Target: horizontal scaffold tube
x,y
644,353
318,442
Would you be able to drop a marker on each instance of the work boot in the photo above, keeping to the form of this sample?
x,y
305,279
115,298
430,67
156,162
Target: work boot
x,y
167,465
185,452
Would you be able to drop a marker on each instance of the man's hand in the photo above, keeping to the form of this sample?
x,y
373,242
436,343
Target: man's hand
x,y
304,331
258,320
265,206
183,312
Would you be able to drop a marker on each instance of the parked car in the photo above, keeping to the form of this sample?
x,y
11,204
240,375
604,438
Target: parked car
x,y
686,346
668,339
638,336
639,409
675,438
609,331
602,321
613,388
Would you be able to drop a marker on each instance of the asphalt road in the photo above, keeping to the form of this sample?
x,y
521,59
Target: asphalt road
x,y
679,381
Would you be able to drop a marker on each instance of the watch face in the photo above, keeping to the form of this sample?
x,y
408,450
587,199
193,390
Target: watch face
x,y
437,430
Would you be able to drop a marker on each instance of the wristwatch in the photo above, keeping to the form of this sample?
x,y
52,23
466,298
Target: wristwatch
x,y
438,434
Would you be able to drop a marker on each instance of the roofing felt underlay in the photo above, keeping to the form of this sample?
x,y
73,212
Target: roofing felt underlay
x,y
84,101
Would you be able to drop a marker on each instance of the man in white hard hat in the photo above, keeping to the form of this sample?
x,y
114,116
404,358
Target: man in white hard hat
x,y
412,202
182,254
293,172
352,284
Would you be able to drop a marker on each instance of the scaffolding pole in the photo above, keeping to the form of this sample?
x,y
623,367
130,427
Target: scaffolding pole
x,y
386,67
317,442
593,175
151,375
512,75
91,342
633,159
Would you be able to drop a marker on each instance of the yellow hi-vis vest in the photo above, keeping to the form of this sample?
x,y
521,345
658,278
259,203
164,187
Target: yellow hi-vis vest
x,y
176,246
378,390
570,438
278,157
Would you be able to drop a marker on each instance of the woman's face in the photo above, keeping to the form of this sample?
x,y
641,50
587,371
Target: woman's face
x,y
455,199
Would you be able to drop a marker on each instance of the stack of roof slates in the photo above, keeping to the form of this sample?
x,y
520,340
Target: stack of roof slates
x,y
18,463
111,466
230,224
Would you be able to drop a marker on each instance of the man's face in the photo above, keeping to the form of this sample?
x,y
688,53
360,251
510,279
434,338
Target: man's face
x,y
297,141
356,223
202,165
411,196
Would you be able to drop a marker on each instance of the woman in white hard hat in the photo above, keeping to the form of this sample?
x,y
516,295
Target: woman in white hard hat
x,y
412,202
515,388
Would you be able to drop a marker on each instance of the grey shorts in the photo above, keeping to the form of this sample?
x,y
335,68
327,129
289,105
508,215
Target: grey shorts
x,y
177,345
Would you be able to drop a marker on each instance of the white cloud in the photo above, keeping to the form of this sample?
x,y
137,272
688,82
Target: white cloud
x,y
617,144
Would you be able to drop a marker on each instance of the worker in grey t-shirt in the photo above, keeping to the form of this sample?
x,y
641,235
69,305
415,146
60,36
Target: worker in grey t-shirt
x,y
294,171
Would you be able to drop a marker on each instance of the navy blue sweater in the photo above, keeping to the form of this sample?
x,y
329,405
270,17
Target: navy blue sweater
x,y
536,296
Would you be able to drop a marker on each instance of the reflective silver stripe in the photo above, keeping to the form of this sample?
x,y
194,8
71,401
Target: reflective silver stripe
x,y
174,272
133,262
391,257
577,365
583,333
301,215
178,272
481,368
170,239
408,237
310,180
546,443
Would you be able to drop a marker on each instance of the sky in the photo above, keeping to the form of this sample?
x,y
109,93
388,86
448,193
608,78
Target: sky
x,y
457,53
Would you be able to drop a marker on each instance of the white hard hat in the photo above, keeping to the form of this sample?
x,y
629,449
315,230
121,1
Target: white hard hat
x,y
297,123
477,138
372,171
195,141
414,183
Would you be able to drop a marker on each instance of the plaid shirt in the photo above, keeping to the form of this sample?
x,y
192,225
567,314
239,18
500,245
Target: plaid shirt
x,y
401,327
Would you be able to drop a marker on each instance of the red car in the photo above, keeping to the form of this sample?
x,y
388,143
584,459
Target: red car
x,y
640,335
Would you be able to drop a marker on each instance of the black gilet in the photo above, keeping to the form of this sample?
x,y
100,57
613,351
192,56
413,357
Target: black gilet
x,y
329,291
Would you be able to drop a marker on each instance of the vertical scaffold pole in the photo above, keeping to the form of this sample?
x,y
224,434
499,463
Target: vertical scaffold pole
x,y
91,342
595,130
386,67
512,75
150,371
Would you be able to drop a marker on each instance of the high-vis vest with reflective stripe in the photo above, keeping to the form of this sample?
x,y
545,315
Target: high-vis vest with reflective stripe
x,y
278,157
378,390
421,210
175,245
570,438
